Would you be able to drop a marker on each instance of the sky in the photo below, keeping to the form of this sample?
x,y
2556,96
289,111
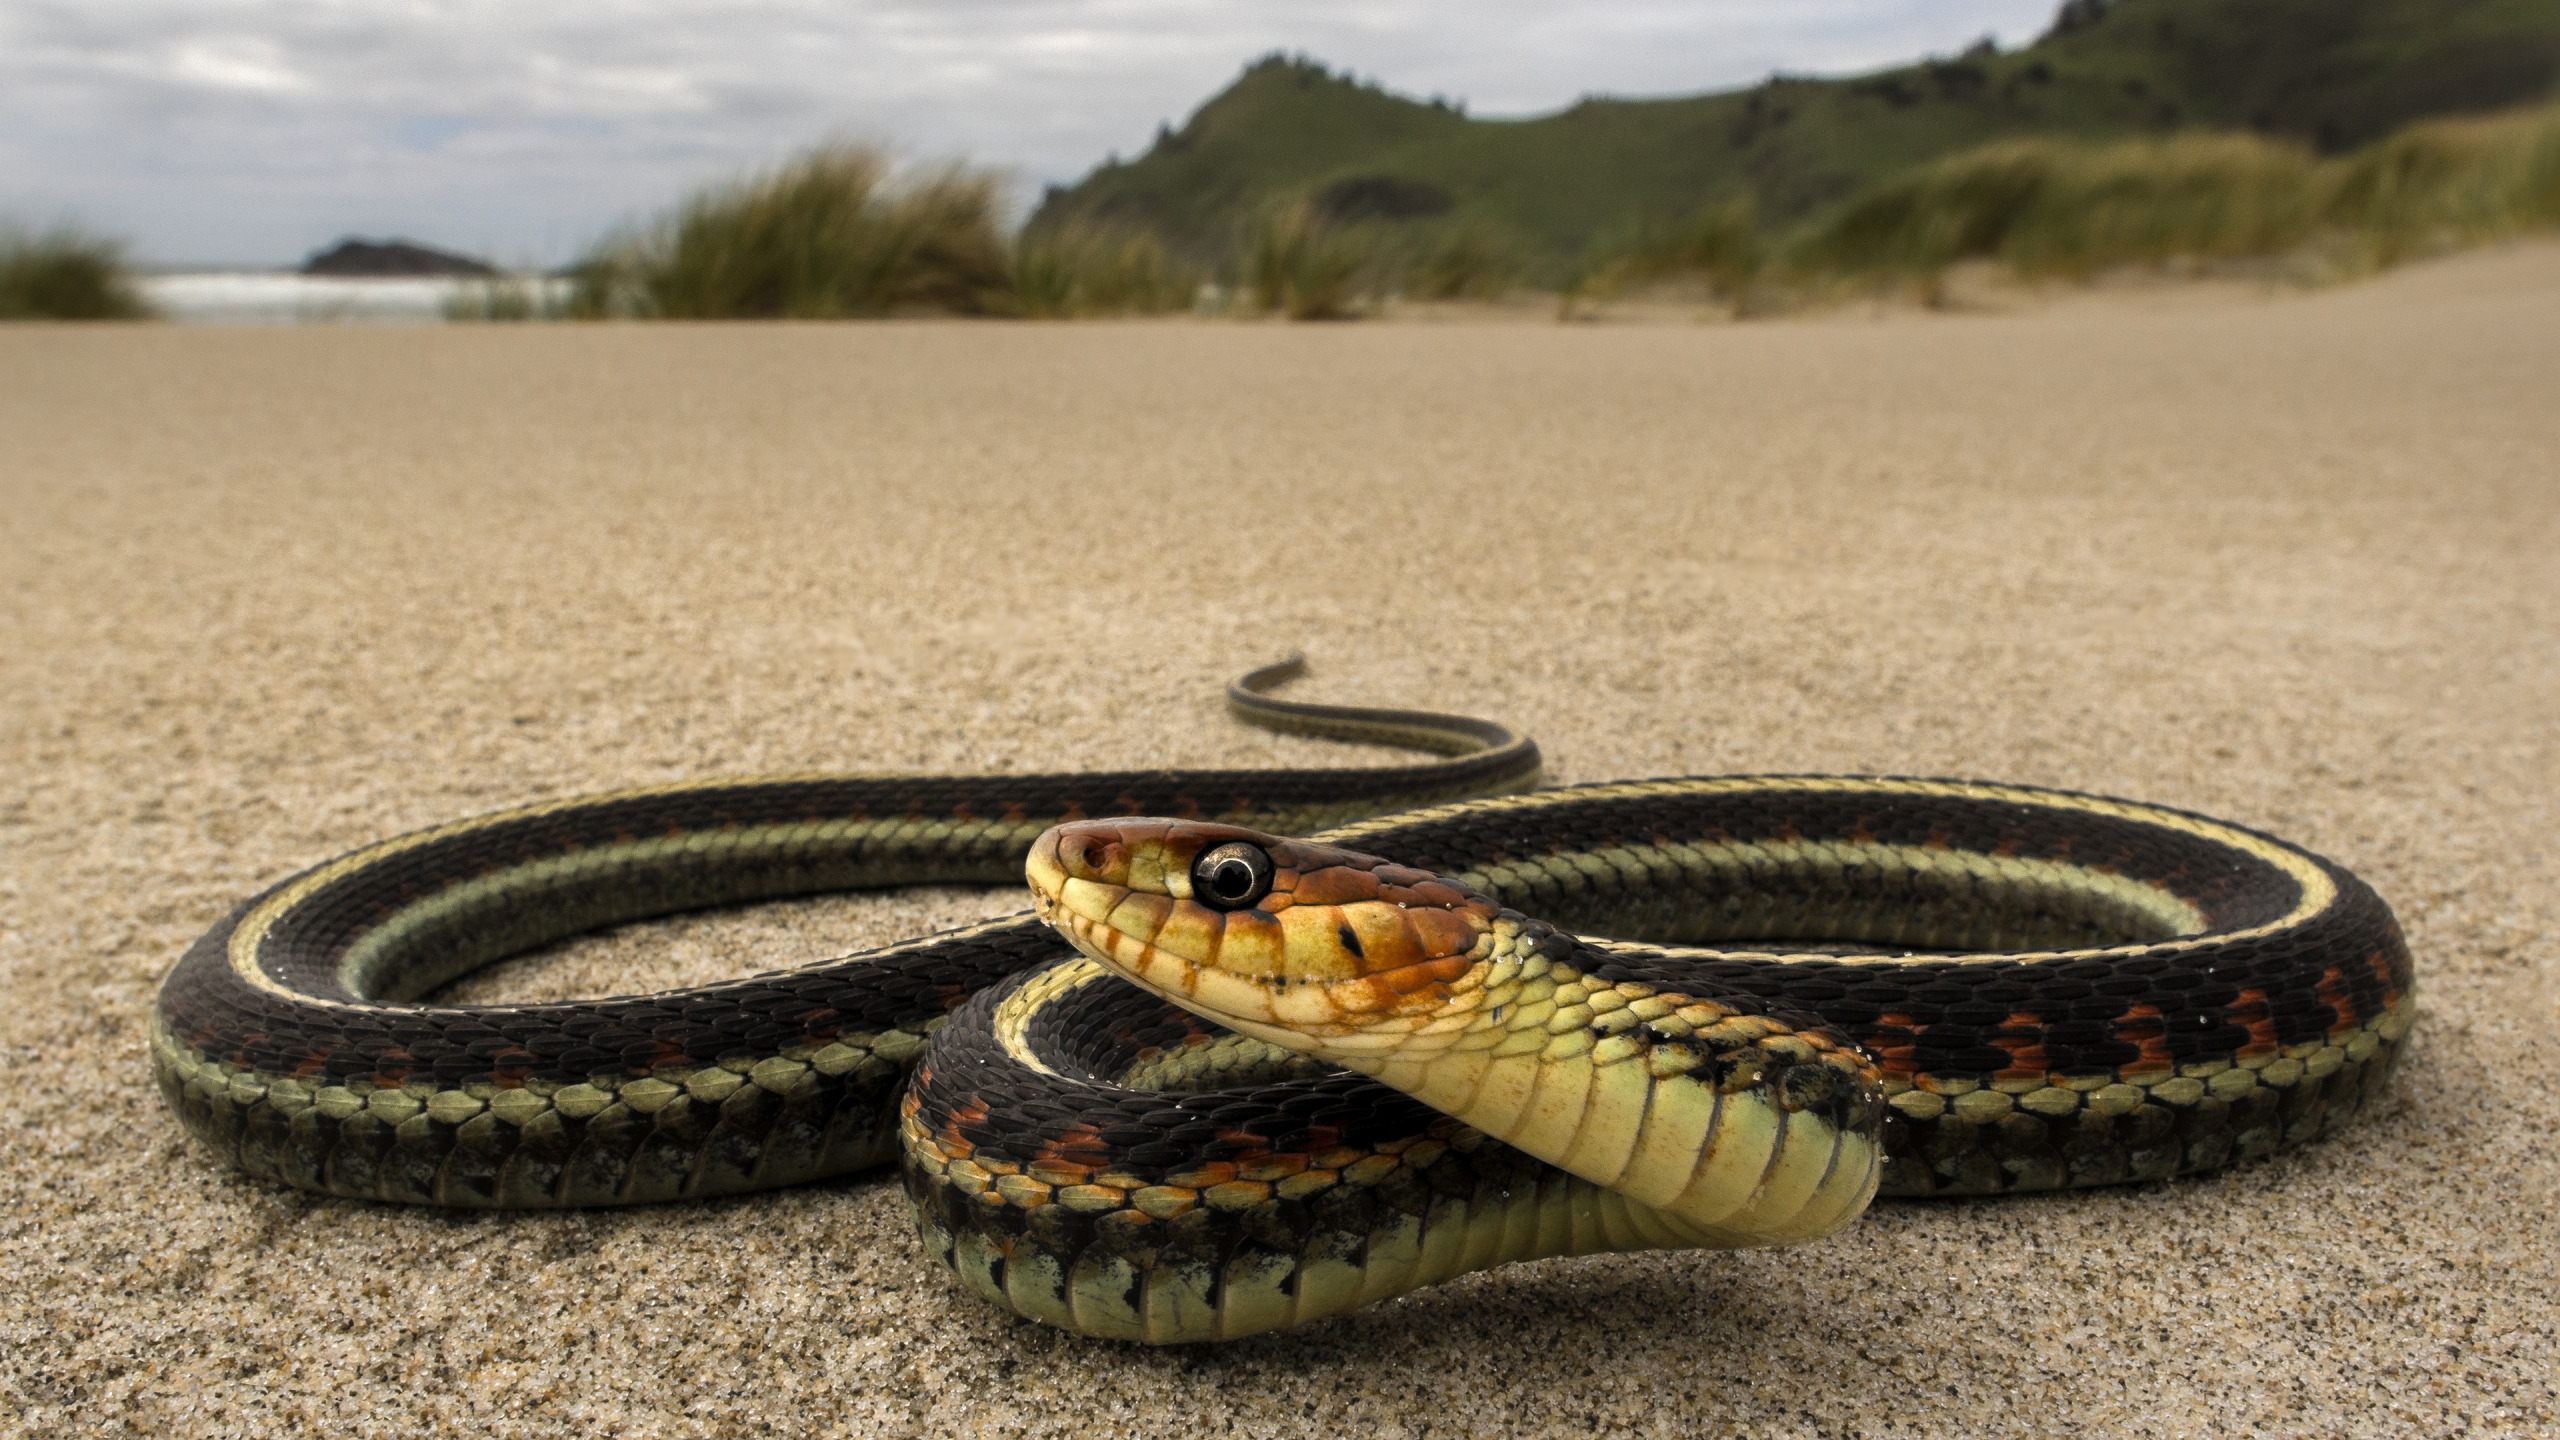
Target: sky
x,y
254,132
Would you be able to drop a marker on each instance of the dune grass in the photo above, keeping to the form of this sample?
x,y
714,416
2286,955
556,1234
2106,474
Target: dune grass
x,y
65,274
1298,265
1467,261
1083,271
824,237
2057,210
836,234
2447,183
1720,247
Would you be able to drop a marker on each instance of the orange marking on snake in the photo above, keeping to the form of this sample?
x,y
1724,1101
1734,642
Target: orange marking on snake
x,y
957,1145
2333,993
1080,1147
2026,1048
1248,1146
2249,1010
2141,1027
391,1068
1898,1061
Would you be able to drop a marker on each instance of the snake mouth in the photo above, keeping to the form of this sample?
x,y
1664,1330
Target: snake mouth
x,y
1310,939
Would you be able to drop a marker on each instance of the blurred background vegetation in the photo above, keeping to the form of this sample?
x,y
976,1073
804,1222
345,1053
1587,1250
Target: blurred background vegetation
x,y
2318,139
64,274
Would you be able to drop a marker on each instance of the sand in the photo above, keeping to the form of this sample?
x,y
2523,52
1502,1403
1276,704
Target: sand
x,y
270,594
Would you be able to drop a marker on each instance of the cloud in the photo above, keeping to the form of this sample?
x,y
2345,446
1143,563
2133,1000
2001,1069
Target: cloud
x,y
258,130
244,64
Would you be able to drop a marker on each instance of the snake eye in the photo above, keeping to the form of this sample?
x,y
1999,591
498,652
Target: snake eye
x,y
1231,877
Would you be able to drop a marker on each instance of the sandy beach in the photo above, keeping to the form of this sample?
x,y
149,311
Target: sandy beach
x,y
2289,559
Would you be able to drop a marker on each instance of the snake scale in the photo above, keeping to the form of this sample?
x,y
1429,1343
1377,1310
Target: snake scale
x,y
1493,1024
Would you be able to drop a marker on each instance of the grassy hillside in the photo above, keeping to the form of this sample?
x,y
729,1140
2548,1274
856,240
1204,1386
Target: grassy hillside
x,y
2329,74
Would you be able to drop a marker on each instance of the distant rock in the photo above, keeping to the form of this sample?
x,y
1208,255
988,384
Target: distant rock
x,y
370,258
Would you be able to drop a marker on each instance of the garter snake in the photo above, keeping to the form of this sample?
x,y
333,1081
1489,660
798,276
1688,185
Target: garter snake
x,y
1810,987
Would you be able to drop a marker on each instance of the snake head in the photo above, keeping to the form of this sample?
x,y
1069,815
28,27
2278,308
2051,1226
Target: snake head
x,y
1283,939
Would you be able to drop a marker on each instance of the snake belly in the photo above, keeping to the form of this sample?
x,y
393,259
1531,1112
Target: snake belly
x,y
2166,994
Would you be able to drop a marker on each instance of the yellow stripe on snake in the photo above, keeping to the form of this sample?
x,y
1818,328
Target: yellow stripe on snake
x,y
1704,1012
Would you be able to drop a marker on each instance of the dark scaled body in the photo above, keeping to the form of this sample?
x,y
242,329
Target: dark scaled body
x,y
2058,991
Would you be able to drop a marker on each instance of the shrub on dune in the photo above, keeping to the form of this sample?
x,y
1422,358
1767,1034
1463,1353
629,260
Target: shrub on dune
x,y
2047,208
826,237
2448,182
66,275
1081,271
1719,247
1304,268
1469,262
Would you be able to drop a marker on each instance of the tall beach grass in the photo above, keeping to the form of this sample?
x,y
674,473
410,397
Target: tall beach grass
x,y
66,274
1719,248
1299,265
2447,183
1085,271
2055,209
838,234
1462,262
825,237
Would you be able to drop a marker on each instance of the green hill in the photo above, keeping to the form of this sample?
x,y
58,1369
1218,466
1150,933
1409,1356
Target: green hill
x,y
2330,74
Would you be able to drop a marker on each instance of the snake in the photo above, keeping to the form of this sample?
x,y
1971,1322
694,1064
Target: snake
x,y
1277,1044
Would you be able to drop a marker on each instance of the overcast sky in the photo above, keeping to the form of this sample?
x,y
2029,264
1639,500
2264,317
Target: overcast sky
x,y
255,131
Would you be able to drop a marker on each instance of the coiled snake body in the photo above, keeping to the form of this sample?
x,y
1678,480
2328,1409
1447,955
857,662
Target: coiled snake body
x,y
1813,986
